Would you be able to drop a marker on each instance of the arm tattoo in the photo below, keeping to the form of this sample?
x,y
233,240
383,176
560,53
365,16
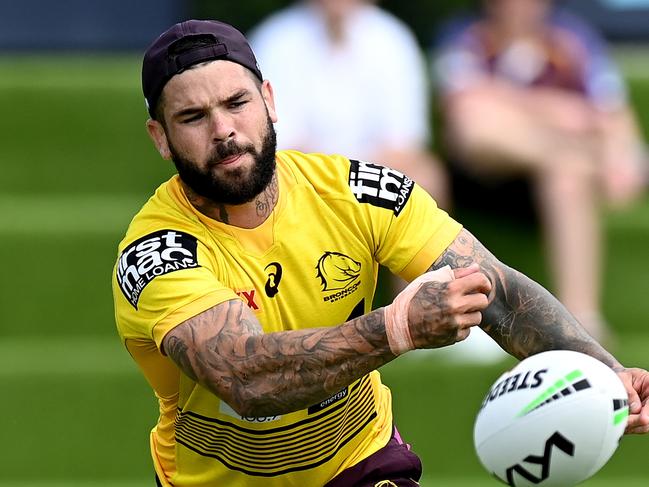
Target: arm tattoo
x,y
263,374
522,316
178,350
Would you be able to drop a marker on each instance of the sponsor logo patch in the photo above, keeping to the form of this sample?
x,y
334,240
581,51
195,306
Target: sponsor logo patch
x,y
154,255
380,186
226,409
249,297
339,396
339,275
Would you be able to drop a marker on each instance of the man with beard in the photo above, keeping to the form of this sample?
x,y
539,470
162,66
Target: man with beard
x,y
243,288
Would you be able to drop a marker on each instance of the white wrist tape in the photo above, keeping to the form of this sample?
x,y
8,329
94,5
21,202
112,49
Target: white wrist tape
x,y
396,313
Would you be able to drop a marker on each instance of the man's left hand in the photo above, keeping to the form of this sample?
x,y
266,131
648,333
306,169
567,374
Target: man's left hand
x,y
636,382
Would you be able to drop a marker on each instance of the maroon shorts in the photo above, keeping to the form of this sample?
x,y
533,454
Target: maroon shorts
x,y
394,465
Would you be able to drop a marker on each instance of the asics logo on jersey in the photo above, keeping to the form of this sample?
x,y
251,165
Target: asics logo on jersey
x,y
274,271
380,186
154,255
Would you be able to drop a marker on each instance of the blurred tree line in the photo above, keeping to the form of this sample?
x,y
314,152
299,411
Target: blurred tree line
x,y
423,16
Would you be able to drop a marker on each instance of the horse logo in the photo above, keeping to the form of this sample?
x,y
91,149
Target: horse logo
x,y
337,271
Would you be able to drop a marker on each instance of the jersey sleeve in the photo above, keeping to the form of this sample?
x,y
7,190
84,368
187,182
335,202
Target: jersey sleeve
x,y
417,237
409,230
162,279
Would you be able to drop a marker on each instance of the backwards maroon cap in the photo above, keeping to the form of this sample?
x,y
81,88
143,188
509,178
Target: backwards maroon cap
x,y
188,43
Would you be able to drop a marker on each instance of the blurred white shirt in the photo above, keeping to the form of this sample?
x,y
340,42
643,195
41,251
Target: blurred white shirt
x,y
369,93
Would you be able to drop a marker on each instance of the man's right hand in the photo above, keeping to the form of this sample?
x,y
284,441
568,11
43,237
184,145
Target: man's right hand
x,y
442,313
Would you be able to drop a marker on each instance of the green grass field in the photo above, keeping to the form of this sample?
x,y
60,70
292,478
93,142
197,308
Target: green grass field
x,y
76,164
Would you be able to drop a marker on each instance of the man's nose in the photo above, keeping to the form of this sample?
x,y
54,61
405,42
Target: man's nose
x,y
222,126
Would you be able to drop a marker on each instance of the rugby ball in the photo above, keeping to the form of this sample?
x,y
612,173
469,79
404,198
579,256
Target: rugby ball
x,y
554,419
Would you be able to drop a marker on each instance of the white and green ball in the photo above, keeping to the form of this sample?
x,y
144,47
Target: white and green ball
x,y
553,420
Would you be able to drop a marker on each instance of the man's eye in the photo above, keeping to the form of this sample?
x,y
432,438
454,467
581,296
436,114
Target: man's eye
x,y
237,104
193,118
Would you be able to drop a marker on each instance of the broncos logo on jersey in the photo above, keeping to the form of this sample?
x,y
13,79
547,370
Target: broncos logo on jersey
x,y
337,271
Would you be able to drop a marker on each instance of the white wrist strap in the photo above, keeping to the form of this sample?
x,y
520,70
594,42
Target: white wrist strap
x,y
396,313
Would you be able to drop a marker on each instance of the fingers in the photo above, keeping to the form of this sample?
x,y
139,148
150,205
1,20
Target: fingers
x,y
443,312
467,320
470,282
636,382
626,376
462,334
465,297
468,294
638,423
465,271
462,309
637,430
473,282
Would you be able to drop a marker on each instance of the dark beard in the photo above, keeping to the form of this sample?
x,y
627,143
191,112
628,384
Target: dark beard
x,y
236,188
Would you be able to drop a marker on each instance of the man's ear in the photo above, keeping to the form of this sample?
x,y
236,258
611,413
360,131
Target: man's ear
x,y
159,137
269,98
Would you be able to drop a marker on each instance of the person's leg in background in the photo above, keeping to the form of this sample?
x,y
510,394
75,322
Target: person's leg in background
x,y
550,137
568,202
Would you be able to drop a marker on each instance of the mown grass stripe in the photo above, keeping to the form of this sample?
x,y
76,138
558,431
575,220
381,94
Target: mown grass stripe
x,y
113,73
66,214
24,356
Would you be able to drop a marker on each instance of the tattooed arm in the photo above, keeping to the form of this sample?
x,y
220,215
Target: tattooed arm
x,y
263,374
526,319
522,316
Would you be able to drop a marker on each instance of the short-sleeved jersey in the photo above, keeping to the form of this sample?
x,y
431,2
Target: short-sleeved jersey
x,y
569,54
312,263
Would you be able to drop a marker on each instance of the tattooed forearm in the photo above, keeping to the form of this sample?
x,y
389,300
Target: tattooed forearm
x,y
523,317
260,374
178,350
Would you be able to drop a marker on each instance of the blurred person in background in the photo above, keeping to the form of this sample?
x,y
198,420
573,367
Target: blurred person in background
x,y
327,54
529,91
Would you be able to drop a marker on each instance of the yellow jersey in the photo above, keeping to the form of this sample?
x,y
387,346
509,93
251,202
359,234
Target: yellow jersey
x,y
312,263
